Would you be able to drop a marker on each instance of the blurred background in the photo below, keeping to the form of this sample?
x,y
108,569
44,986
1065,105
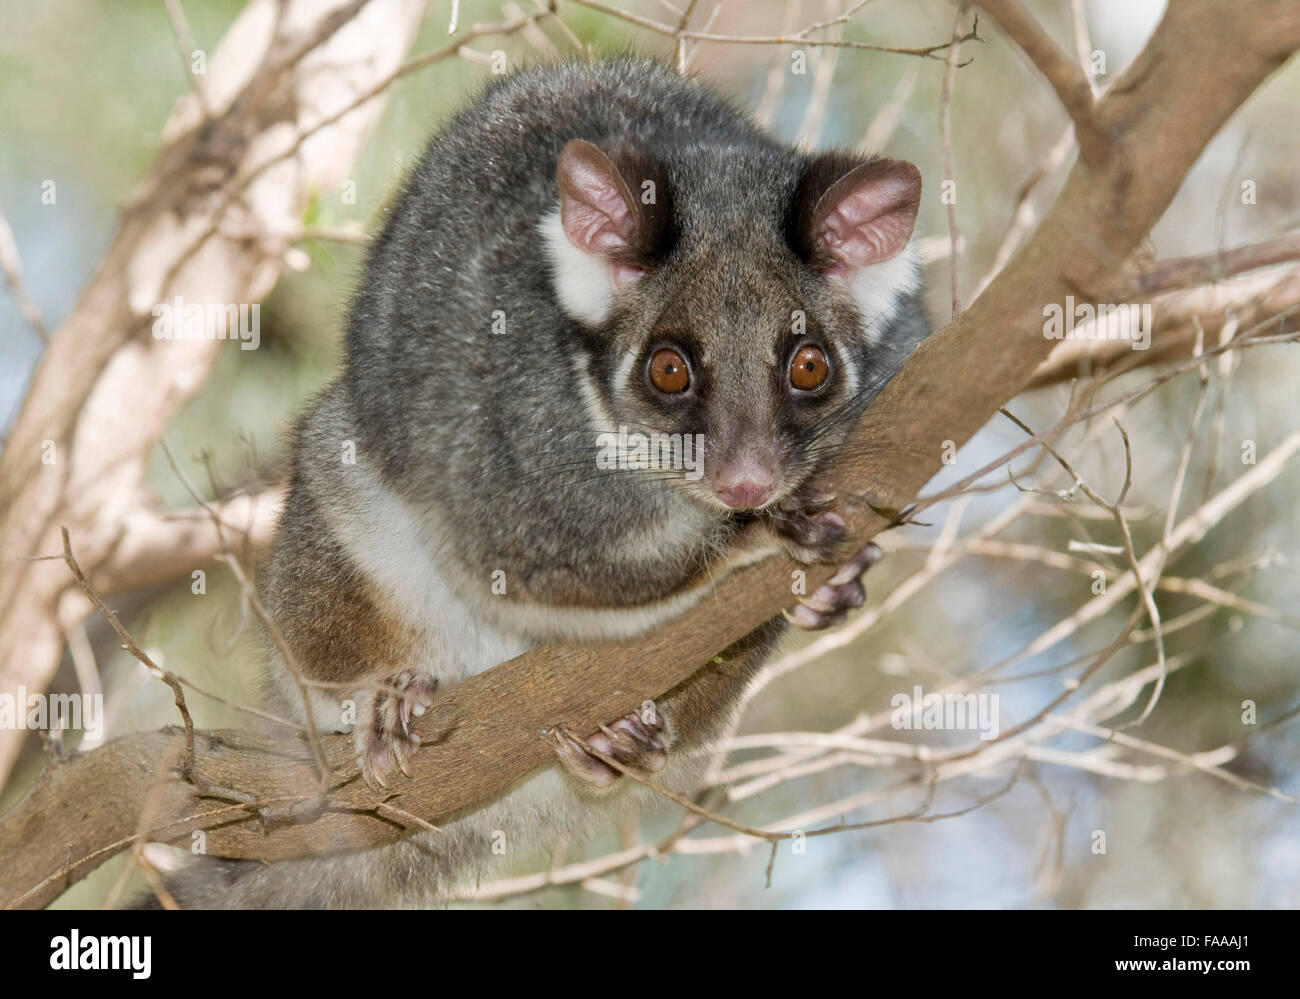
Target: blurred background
x,y
88,87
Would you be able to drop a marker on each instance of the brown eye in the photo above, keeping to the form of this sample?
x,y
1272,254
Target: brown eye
x,y
668,371
808,368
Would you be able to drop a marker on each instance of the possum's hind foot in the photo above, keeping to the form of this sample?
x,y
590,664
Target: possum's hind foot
x,y
385,741
635,740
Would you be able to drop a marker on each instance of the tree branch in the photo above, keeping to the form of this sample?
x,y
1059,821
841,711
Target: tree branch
x,y
1068,79
79,446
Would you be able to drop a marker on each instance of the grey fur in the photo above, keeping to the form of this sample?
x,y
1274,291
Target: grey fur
x,y
426,378
487,438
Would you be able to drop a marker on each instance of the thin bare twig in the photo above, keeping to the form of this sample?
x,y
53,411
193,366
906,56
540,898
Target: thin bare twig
x,y
1072,85
12,265
273,630
945,154
129,643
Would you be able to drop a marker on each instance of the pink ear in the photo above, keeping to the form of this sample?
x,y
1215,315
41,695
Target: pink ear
x,y
866,216
596,207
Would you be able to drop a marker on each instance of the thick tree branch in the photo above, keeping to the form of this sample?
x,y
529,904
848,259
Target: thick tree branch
x,y
489,732
1251,306
1182,272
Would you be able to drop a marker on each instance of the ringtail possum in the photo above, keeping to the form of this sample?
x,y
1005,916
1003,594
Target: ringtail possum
x,y
587,247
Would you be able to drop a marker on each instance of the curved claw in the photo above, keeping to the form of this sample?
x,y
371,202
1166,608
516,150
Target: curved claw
x,y
867,556
577,761
385,742
829,604
631,741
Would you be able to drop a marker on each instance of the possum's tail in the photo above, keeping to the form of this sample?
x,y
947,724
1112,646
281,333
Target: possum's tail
x,y
369,879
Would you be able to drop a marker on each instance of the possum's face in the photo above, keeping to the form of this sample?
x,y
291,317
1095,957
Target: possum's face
x,y
735,306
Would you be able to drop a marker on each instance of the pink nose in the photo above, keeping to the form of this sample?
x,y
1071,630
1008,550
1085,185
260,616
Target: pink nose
x,y
747,491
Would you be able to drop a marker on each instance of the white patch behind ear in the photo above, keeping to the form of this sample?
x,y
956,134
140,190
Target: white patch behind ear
x,y
877,288
581,280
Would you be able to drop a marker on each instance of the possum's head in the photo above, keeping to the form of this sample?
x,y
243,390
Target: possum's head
x,y
751,295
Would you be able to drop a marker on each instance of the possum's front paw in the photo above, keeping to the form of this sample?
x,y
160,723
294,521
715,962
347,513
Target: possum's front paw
x,y
384,737
811,532
831,602
635,740
807,528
